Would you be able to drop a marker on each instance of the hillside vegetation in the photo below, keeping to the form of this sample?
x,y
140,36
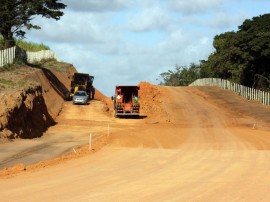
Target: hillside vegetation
x,y
27,46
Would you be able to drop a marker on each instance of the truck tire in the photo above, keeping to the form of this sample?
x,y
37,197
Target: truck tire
x,y
67,96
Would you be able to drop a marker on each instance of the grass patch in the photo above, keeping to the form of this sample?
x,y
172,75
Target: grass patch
x,y
27,46
22,83
53,64
30,46
7,67
18,83
7,82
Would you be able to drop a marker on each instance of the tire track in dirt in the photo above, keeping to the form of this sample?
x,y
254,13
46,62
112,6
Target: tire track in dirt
x,y
205,153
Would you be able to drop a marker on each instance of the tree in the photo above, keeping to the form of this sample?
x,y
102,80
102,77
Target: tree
x,y
171,77
181,76
16,15
242,56
226,60
255,45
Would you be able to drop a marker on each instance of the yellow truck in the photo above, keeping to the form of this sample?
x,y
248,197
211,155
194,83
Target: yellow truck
x,y
81,81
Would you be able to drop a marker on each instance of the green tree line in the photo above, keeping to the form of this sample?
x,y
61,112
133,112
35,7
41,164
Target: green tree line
x,y
242,57
180,76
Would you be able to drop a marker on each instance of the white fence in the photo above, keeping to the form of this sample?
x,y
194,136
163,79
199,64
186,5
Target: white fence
x,y
40,55
8,56
245,92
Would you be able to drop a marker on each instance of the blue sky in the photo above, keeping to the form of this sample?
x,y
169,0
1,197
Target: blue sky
x,y
123,42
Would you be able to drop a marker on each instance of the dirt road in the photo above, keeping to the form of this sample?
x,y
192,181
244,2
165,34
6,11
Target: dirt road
x,y
72,130
208,148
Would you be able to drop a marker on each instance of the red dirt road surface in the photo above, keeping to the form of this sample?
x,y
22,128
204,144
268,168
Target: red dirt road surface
x,y
194,144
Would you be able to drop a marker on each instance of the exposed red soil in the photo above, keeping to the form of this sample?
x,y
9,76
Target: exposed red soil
x,y
24,113
150,99
191,144
33,99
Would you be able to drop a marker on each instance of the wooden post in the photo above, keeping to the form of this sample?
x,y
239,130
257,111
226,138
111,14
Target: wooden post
x,y
90,141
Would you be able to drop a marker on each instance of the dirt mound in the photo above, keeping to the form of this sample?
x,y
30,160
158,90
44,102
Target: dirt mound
x,y
31,98
151,100
24,113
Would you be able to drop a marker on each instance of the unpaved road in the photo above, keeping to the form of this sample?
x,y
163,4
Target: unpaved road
x,y
72,130
207,152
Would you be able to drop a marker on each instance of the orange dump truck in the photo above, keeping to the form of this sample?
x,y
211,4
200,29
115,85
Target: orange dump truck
x,y
126,101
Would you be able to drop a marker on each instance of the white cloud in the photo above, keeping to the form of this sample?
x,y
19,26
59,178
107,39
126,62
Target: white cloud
x,y
222,20
76,28
195,6
149,19
97,5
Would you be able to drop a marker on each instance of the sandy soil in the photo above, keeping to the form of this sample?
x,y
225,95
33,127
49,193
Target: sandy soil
x,y
72,130
195,144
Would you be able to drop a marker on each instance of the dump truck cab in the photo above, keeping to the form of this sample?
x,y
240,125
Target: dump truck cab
x,y
81,81
126,101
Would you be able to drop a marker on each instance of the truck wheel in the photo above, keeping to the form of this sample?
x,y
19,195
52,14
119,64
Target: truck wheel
x,y
67,96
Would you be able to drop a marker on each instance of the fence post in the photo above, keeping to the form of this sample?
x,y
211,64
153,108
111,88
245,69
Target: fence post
x,y
264,101
249,93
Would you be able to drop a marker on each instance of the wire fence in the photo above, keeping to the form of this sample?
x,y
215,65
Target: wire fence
x,y
243,91
8,56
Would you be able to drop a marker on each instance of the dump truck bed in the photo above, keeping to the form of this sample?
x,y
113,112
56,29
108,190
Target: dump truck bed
x,y
126,101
